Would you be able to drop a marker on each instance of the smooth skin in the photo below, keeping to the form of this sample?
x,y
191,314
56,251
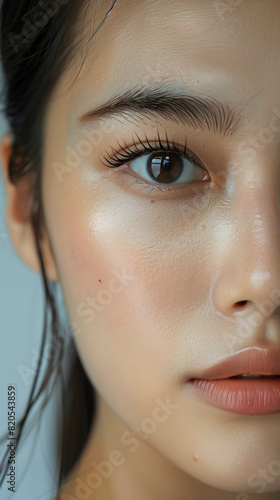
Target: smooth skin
x,y
195,261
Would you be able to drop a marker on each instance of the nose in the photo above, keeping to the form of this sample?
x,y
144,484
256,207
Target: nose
x,y
248,279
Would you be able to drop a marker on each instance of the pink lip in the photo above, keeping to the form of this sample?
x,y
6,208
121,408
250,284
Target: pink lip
x,y
252,361
242,396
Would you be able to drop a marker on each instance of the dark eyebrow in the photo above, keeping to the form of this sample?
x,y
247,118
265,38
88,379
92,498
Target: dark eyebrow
x,y
185,108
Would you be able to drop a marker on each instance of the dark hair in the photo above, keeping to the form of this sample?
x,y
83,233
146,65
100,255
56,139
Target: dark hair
x,y
37,44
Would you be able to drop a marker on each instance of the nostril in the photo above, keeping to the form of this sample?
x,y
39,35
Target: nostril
x,y
241,303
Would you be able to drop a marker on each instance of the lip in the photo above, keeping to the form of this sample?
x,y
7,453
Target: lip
x,y
252,361
256,396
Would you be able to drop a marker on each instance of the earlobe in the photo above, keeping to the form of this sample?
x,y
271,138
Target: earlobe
x,y
18,205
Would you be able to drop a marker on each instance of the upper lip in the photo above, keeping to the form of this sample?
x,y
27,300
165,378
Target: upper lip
x,y
252,361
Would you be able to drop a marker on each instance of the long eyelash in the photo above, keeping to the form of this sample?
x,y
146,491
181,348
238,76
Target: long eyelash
x,y
127,154
118,158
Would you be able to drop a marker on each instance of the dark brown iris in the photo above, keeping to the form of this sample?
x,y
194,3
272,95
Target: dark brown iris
x,y
165,167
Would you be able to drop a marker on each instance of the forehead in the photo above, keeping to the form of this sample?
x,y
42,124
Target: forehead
x,y
225,47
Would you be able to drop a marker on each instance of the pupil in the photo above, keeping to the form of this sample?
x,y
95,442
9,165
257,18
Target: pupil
x,y
166,163
165,167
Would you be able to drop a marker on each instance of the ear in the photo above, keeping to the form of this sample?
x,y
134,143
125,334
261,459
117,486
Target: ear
x,y
18,203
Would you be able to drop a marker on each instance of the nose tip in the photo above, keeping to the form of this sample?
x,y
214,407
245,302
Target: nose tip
x,y
259,278
250,268
239,290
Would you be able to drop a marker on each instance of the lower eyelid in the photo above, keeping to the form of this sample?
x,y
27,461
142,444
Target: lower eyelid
x,y
146,186
149,187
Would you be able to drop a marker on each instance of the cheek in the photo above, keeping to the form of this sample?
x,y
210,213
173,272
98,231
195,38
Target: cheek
x,y
130,287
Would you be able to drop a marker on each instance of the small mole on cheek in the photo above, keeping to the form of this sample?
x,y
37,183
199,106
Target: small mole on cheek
x,y
152,201
195,458
100,281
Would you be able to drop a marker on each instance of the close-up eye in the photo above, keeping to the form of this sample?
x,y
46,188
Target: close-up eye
x,y
167,168
164,163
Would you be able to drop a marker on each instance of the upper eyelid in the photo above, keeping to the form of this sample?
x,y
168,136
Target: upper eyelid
x,y
126,152
119,162
159,141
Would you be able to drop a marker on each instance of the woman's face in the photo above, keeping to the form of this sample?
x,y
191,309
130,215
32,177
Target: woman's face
x,y
160,275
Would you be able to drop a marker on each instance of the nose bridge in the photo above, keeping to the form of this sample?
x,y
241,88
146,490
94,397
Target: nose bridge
x,y
259,237
250,271
261,246
259,226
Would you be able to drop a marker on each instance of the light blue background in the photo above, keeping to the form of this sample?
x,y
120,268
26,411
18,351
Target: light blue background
x,y
21,326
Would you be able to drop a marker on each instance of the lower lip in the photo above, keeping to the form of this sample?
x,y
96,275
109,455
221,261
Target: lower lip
x,y
241,396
